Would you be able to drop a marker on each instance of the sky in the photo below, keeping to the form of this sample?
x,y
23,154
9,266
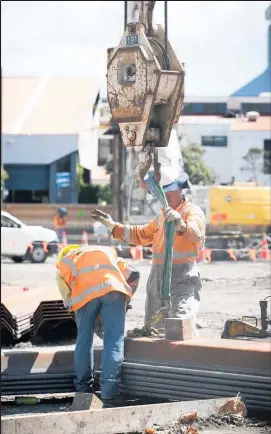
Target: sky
x,y
222,43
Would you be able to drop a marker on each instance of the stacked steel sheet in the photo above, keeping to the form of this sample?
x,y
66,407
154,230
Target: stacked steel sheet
x,y
184,384
50,313
39,371
155,369
16,325
28,311
198,369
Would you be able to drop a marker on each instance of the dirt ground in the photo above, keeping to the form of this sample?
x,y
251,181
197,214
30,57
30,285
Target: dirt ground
x,y
230,290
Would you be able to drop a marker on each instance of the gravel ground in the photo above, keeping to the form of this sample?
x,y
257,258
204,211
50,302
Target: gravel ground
x,y
230,290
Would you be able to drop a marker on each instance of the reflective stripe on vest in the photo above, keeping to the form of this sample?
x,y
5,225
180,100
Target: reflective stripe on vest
x,y
176,255
93,289
84,270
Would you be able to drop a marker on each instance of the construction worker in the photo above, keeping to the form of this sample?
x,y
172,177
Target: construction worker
x,y
189,235
60,222
97,285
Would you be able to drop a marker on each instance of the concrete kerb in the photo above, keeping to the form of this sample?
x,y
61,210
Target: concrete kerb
x,y
115,420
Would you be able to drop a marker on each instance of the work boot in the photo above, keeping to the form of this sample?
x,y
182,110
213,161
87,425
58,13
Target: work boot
x,y
115,402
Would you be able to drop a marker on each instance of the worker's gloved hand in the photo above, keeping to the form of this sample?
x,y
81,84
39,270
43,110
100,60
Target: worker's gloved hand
x,y
98,328
104,218
172,215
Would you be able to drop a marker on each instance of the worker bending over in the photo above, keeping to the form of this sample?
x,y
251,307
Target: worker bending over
x,y
189,234
60,222
97,285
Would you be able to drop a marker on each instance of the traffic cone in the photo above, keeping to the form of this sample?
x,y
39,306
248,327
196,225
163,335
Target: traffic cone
x,y
84,238
231,254
137,253
201,256
208,255
252,254
45,246
64,240
265,254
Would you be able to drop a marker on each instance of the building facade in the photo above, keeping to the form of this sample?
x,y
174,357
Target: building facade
x,y
42,119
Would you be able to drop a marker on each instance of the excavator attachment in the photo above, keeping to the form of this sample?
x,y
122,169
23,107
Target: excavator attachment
x,y
145,81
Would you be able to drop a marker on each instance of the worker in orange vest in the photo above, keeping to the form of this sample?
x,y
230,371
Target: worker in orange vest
x,y
189,222
97,286
60,222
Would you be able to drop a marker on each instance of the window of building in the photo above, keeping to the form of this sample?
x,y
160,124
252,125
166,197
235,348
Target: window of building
x,y
262,108
105,149
64,165
267,157
215,141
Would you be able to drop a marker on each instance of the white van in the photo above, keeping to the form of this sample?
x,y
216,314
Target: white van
x,y
22,242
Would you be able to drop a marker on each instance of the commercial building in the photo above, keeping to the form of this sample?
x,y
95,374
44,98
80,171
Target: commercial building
x,y
42,119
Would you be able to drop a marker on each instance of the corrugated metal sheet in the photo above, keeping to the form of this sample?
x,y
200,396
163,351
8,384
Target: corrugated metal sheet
x,y
37,149
21,177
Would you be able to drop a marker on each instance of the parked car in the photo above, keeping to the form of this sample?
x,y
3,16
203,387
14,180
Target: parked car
x,y
23,242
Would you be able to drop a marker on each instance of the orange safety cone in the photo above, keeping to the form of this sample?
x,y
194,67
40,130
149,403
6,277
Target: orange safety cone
x,y
208,255
31,248
137,253
231,254
45,246
252,254
201,256
64,240
84,238
265,254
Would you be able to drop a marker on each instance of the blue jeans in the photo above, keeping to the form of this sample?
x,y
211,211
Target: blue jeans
x,y
112,310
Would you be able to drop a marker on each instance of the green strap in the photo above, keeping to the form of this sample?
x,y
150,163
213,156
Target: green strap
x,y
158,192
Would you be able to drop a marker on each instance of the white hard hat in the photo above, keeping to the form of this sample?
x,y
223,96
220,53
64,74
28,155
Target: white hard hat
x,y
168,175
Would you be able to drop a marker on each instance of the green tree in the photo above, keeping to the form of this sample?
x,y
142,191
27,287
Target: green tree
x,y
4,175
195,167
253,162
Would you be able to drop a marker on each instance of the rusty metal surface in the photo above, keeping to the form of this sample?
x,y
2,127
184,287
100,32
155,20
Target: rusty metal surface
x,y
238,355
145,80
39,370
26,312
51,360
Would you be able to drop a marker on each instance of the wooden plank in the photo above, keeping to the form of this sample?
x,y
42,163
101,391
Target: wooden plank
x,y
108,421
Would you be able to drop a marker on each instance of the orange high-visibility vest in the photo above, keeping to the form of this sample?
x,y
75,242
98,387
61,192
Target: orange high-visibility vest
x,y
91,273
186,246
60,222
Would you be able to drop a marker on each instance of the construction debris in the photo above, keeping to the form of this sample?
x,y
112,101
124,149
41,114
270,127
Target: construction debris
x,y
234,406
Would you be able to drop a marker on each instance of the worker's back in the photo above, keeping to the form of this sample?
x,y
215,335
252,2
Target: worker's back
x,y
92,272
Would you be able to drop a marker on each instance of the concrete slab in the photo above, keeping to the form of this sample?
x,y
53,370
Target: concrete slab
x,y
111,420
86,401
